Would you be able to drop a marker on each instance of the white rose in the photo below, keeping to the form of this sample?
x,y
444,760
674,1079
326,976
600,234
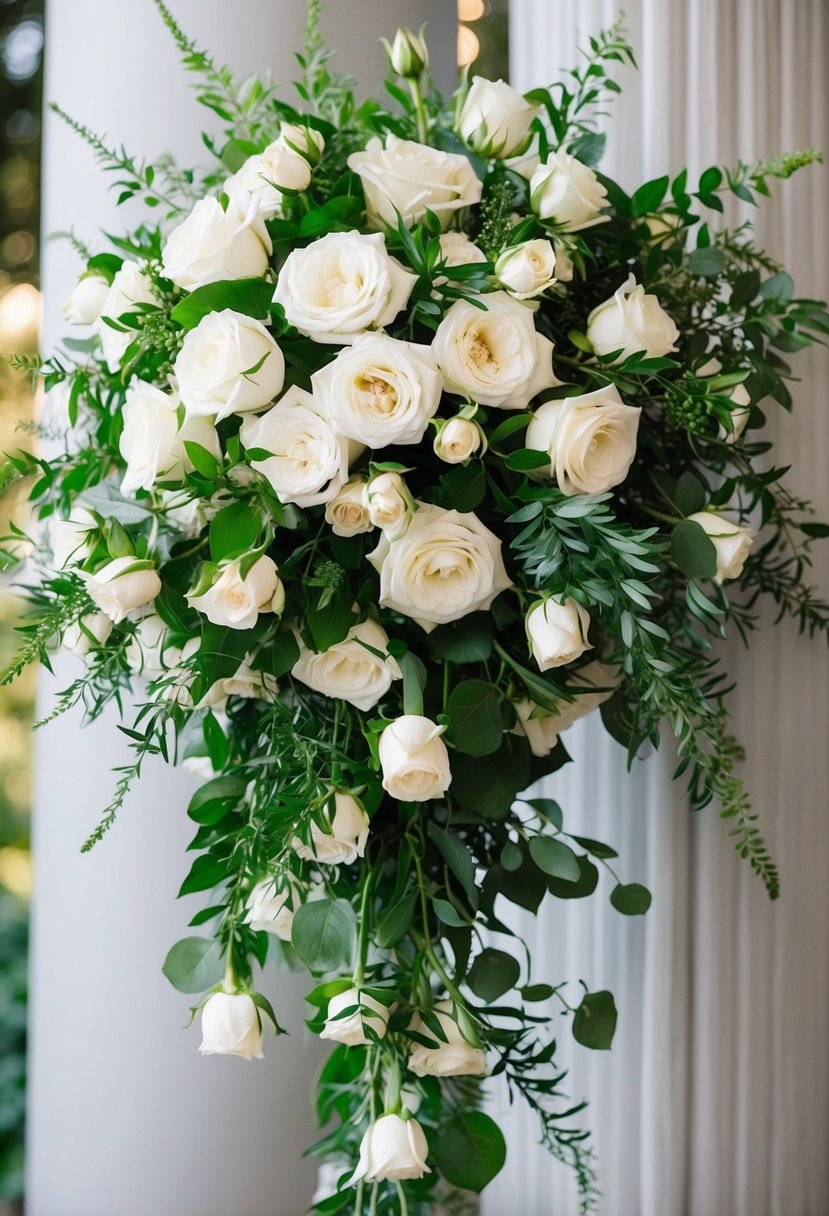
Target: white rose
x,y
152,443
71,540
557,631
408,54
458,440
411,178
212,244
272,911
123,585
739,394
349,669
146,648
454,1058
347,511
538,724
87,633
129,291
494,357
249,682
567,193
351,1028
181,513
345,840
390,505
591,440
446,565
256,190
231,1026
342,285
456,249
414,759
200,767
732,542
305,141
565,267
392,1148
235,601
631,322
663,226
228,364
309,460
380,391
495,119
86,302
543,726
528,269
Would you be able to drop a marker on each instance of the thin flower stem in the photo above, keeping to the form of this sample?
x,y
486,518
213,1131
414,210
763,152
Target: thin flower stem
x,y
401,1195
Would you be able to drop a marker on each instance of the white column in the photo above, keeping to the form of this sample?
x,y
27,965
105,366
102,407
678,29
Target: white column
x,y
125,1118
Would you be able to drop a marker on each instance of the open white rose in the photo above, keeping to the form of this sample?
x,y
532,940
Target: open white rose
x,y
256,190
414,759
741,398
231,1026
495,119
494,357
409,178
630,322
309,460
212,244
458,440
392,1148
87,633
446,565
349,669
86,302
454,1058
145,652
591,440
346,837
228,364
390,505
272,911
557,631
543,726
152,443
122,586
347,511
732,542
129,291
71,540
351,1028
528,269
567,193
342,285
456,249
235,601
380,391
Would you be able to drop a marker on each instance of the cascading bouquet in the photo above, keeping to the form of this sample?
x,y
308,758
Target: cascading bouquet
x,y
404,441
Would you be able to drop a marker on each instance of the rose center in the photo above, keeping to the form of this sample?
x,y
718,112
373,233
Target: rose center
x,y
338,292
480,354
376,394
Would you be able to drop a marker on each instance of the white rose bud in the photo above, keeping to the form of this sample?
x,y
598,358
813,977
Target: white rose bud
x,y
123,585
229,364
86,302
495,119
567,193
271,910
557,631
591,440
341,285
88,633
494,356
257,189
349,669
145,652
732,542
305,141
392,1148
408,178
71,540
631,322
414,759
351,1029
458,440
739,394
408,54
454,1058
528,269
346,839
538,724
181,513
347,511
231,1026
565,268
456,249
152,443
129,291
212,244
390,505
248,681
235,601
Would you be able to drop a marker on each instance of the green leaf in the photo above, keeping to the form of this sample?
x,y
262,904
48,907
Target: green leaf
x,y
194,964
527,458
465,641
594,1023
745,288
690,494
235,530
323,934
330,624
779,287
474,711
511,856
394,924
206,872
587,882
555,858
448,914
631,899
693,550
252,297
706,262
203,462
492,974
537,992
457,857
595,847
489,784
470,1150
464,486
211,802
648,197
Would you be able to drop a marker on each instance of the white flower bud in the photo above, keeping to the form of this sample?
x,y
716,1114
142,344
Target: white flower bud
x,y
732,542
231,1026
392,1148
408,54
414,759
351,1029
557,631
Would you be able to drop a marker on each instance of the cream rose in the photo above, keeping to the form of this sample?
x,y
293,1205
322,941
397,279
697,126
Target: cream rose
x,y
231,1026
557,632
565,268
456,249
129,292
495,119
350,669
458,440
631,322
351,1028
446,565
380,391
71,540
732,542
739,395
305,141
145,652
229,364
235,601
567,193
272,911
123,585
409,178
528,269
88,633
249,682
591,440
152,442
454,1058
390,505
543,726
86,302
342,285
309,460
392,1148
494,357
212,244
414,759
256,190
345,839
347,511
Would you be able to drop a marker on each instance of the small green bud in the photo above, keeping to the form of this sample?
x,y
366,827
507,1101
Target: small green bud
x,y
408,54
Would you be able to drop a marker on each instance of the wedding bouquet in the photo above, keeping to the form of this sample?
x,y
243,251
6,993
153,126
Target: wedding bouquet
x,y
401,441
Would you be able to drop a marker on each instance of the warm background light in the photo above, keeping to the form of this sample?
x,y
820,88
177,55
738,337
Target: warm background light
x,y
471,10
468,46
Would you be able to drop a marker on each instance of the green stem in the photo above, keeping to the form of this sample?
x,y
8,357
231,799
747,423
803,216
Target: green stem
x,y
363,927
401,1195
421,116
